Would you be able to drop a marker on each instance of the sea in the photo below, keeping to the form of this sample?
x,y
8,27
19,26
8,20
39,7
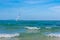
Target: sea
x,y
16,30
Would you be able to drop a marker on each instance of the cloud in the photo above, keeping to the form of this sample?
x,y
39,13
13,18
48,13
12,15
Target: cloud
x,y
37,1
55,9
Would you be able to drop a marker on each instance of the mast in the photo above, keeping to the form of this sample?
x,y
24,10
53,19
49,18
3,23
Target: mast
x,y
18,16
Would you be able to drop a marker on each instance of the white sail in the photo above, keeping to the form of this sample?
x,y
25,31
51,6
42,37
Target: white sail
x,y
18,17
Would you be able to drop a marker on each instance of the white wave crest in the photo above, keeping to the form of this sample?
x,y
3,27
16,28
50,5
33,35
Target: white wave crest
x,y
9,35
53,35
27,27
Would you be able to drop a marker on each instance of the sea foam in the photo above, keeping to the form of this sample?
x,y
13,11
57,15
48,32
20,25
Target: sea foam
x,y
27,27
54,34
9,35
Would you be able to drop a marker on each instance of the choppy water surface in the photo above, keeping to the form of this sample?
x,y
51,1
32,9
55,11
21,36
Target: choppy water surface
x,y
15,30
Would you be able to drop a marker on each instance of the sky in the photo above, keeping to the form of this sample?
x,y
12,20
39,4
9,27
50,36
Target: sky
x,y
30,9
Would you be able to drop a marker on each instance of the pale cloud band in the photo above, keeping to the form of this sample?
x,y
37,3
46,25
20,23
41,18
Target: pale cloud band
x,y
37,1
55,9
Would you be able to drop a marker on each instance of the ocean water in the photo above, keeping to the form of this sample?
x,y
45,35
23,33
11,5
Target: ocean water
x,y
15,30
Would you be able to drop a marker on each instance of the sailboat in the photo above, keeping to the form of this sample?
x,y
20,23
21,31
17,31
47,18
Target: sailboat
x,y
17,18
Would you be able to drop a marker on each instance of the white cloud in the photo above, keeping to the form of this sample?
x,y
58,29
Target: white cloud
x,y
55,9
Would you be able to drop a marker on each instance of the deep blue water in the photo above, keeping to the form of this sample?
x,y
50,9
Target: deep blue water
x,y
29,23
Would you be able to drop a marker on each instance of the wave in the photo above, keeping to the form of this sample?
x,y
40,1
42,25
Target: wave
x,y
48,27
37,28
28,27
53,34
9,35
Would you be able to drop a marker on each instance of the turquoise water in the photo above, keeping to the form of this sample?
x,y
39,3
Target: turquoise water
x,y
12,27
36,23
18,26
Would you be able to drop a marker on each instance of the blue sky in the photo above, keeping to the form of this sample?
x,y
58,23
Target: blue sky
x,y
30,9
